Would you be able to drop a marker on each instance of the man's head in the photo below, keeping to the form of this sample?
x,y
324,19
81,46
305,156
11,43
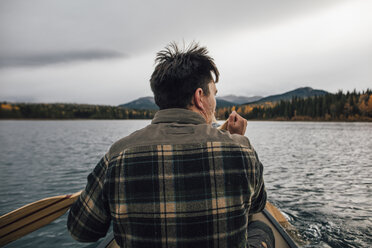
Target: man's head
x,y
179,75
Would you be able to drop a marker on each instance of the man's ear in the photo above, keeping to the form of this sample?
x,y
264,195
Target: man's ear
x,y
197,98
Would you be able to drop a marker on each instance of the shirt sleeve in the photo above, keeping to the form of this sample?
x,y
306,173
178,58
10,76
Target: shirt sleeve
x,y
89,217
259,197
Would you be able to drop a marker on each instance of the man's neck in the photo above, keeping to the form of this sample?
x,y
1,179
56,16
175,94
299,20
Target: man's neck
x,y
193,108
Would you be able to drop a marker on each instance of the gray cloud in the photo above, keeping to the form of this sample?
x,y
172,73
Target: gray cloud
x,y
132,27
261,47
42,59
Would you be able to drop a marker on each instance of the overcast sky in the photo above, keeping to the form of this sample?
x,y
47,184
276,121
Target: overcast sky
x,y
102,52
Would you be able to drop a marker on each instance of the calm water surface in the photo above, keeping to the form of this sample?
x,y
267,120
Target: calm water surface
x,y
318,174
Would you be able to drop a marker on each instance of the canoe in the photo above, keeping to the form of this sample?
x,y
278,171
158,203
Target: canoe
x,y
35,215
278,224
270,215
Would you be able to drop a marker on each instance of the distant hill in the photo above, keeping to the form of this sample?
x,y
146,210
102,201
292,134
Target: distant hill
x,y
300,92
239,99
149,103
223,103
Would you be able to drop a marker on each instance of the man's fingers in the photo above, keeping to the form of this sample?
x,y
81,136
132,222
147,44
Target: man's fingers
x,y
245,125
236,124
232,117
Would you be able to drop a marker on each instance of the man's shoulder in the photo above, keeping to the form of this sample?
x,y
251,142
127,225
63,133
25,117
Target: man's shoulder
x,y
225,136
186,134
242,140
128,141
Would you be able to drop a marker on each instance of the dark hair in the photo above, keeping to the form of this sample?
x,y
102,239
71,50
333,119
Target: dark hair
x,y
179,73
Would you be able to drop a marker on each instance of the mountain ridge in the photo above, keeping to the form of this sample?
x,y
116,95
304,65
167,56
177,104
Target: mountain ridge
x,y
148,102
239,99
302,92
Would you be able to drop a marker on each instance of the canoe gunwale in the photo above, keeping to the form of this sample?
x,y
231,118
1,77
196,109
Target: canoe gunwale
x,y
107,240
280,229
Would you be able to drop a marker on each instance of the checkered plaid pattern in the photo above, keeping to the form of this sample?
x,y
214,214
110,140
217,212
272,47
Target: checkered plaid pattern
x,y
192,195
176,183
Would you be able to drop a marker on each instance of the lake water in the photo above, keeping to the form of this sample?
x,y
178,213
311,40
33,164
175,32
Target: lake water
x,y
318,174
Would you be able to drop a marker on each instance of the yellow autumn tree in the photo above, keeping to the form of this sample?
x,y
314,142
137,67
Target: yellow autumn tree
x,y
369,105
363,108
5,106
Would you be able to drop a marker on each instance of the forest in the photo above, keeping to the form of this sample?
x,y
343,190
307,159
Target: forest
x,y
349,106
69,111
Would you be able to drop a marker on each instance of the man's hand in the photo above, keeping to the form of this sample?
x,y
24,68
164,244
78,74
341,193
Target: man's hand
x,y
236,124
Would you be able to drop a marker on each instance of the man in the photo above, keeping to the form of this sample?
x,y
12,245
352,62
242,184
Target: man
x,y
178,182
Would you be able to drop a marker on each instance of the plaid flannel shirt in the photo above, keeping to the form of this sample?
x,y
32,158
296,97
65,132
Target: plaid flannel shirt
x,y
176,183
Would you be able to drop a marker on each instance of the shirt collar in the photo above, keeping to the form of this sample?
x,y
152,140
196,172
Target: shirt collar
x,y
177,115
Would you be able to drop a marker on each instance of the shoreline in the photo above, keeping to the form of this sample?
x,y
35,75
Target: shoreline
x,y
265,120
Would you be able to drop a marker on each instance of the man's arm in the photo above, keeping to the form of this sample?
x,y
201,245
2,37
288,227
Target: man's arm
x,y
237,125
89,217
259,196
